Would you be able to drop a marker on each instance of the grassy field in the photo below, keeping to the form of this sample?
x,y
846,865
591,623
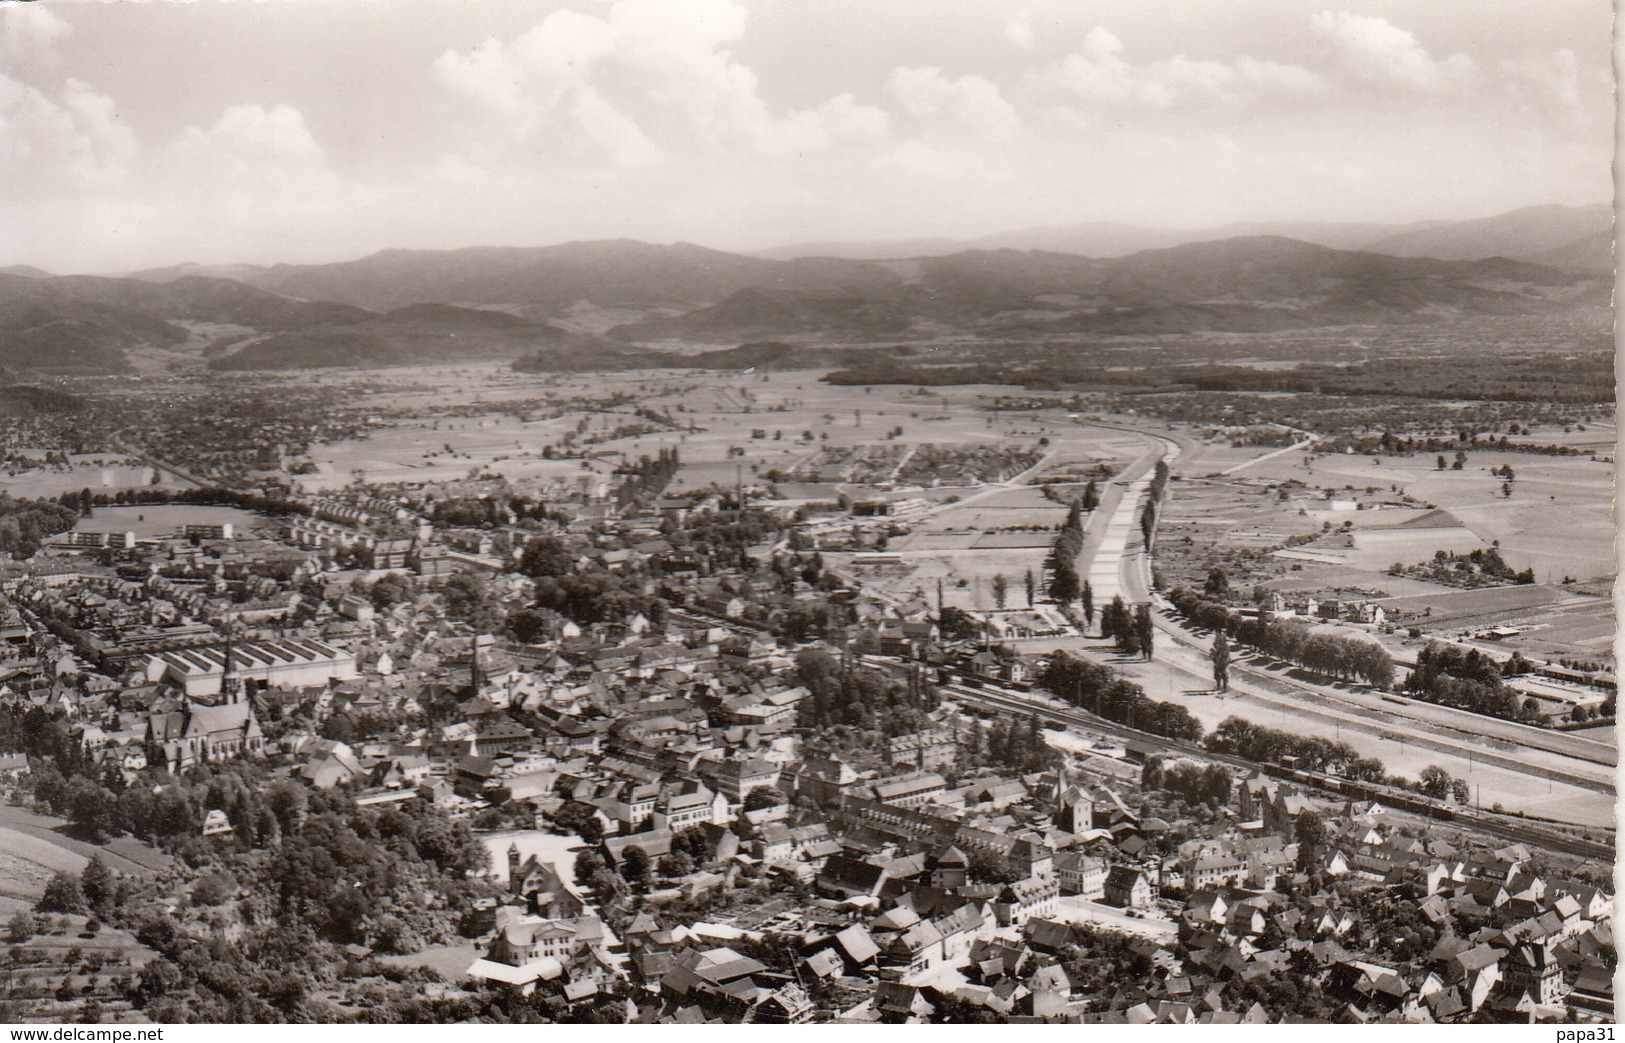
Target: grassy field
x,y
1557,521
1371,515
153,520
32,847
451,962
100,472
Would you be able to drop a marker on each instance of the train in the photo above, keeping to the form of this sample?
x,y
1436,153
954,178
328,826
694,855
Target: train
x,y
1359,789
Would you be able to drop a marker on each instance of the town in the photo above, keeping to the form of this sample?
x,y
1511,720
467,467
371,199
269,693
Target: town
x,y
734,512
620,728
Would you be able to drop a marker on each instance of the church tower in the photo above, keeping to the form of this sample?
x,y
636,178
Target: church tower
x,y
513,864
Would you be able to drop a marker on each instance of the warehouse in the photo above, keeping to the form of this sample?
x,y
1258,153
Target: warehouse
x,y
260,664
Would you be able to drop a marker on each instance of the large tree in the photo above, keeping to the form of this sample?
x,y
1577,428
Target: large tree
x,y
63,894
1063,584
1311,833
635,866
1144,628
97,884
1219,654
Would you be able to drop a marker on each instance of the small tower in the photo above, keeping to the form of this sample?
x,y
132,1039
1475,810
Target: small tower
x,y
513,864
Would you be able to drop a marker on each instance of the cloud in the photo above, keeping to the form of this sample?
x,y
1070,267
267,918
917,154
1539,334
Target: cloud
x,y
1374,51
253,142
1553,86
29,33
840,125
74,140
1097,76
1019,30
968,103
644,118
61,134
648,82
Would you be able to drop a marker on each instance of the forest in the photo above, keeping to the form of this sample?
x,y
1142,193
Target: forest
x,y
1582,378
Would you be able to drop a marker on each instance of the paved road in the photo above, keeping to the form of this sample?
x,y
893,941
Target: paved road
x,y
1306,443
158,464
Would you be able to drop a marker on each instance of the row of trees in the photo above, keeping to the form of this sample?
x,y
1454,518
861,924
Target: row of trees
x,y
1153,503
1239,737
1335,655
212,496
864,699
1010,744
1099,689
1064,585
647,478
1467,679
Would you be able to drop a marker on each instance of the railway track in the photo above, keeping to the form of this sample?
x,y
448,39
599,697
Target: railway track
x,y
1481,821
1416,713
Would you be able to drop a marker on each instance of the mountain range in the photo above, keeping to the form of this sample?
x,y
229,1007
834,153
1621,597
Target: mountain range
x,y
1562,236
623,303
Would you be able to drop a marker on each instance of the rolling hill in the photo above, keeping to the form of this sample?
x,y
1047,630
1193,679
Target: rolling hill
x,y
1246,284
197,298
27,400
548,280
411,307
44,327
418,333
1528,234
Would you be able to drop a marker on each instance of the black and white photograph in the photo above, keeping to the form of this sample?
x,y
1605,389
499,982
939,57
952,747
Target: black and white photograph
x,y
806,512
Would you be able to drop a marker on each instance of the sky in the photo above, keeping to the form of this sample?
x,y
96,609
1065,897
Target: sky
x,y
265,131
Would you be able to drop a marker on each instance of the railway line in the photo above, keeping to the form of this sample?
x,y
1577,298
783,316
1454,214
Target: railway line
x,y
1355,707
1112,568
1485,822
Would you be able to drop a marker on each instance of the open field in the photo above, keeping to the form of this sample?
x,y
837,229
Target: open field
x,y
1558,520
148,521
33,847
98,472
451,962
1371,513
27,862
